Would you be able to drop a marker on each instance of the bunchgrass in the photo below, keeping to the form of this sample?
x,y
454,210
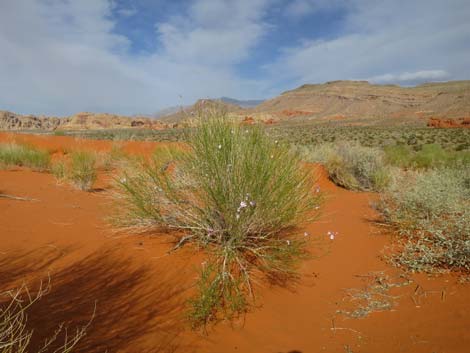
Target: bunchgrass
x,y
431,212
234,192
82,172
12,154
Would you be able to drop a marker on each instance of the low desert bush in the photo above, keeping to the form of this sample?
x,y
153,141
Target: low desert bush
x,y
15,335
234,192
82,172
351,165
431,212
12,154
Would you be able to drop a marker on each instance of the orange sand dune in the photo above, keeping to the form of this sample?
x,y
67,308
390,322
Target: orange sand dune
x,y
140,291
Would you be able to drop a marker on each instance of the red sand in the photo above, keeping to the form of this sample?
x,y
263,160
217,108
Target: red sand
x,y
140,290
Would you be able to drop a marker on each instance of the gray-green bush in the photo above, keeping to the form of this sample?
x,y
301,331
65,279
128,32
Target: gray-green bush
x,y
351,165
431,212
234,192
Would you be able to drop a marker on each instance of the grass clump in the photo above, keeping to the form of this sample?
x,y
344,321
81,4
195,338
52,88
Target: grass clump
x,y
431,212
82,172
12,154
234,192
351,165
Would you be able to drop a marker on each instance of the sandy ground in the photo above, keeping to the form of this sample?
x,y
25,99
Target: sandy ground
x,y
140,290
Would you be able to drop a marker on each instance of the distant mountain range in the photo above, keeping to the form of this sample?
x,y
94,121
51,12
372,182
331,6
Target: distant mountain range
x,y
341,102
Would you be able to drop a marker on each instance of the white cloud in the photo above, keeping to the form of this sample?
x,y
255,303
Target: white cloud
x,y
302,8
418,76
383,37
60,57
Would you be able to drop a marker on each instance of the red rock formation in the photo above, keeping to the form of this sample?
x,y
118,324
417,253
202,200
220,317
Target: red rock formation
x,y
449,123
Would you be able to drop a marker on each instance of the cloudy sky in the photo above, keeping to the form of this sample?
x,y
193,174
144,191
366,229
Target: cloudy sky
x,y
59,57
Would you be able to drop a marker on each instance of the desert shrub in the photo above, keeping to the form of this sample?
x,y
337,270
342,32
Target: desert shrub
x,y
351,165
430,210
12,154
15,335
234,192
82,171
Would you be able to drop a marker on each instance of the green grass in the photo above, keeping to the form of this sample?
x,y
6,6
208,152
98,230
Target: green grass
x,y
82,172
234,192
12,154
428,156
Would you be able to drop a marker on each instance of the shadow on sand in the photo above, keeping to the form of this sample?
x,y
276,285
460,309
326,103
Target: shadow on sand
x,y
138,309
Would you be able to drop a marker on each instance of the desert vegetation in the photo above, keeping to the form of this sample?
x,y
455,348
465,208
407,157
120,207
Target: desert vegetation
x,y
430,212
425,195
235,193
12,154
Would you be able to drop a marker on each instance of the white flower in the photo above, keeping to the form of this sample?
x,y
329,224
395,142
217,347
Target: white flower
x,y
306,234
243,204
237,216
272,156
288,242
332,236
276,142
219,147
252,203
123,180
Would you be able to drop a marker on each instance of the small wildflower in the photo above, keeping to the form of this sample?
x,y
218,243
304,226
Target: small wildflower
x,y
288,242
252,203
306,234
237,216
272,156
123,180
243,204
276,142
219,147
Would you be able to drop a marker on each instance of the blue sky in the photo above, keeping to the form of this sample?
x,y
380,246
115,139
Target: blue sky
x,y
59,57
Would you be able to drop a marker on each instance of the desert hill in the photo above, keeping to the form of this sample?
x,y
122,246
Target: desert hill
x,y
201,106
365,101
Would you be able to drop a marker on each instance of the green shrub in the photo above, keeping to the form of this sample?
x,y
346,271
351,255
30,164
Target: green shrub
x,y
352,166
12,154
234,192
431,211
82,171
